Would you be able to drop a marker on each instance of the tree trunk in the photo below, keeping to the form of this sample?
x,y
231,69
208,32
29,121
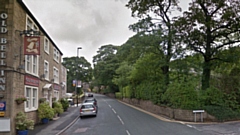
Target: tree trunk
x,y
206,75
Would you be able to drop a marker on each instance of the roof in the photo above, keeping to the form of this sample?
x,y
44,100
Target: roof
x,y
37,23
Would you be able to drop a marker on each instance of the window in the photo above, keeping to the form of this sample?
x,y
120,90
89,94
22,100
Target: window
x,y
30,24
31,64
31,94
56,75
46,70
46,45
56,94
27,62
55,55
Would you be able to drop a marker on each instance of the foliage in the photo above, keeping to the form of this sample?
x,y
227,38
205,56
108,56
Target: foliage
x,y
105,64
188,62
45,111
121,79
127,92
65,103
54,99
212,96
155,20
118,95
222,113
41,100
22,123
229,85
207,29
183,95
146,78
58,108
21,98
78,68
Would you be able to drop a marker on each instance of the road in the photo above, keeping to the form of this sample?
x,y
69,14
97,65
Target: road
x,y
115,118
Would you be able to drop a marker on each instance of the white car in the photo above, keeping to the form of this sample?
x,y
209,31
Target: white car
x,y
88,109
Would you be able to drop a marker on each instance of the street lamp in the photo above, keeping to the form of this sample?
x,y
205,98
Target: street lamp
x,y
76,83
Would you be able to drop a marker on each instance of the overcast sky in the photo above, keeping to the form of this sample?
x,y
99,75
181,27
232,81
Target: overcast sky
x,y
84,23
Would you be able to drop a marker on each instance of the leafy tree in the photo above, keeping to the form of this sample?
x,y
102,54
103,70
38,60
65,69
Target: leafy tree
x,y
155,19
209,27
77,68
105,64
122,76
146,78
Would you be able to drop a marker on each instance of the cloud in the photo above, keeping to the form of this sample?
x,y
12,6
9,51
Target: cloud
x,y
86,23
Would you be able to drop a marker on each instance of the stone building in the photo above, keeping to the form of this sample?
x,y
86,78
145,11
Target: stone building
x,y
30,65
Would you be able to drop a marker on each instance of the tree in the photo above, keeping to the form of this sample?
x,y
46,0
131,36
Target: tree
x,y
161,24
121,79
209,27
105,63
77,68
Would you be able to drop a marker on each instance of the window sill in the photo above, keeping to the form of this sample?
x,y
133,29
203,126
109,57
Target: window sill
x,y
30,110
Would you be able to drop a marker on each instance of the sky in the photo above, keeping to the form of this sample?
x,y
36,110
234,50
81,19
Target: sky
x,y
88,24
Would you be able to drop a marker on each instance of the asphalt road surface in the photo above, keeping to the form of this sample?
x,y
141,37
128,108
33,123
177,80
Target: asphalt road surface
x,y
115,118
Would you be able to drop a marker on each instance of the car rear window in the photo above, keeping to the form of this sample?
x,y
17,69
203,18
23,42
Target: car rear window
x,y
87,106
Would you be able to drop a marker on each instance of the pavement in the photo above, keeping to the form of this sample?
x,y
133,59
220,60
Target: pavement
x,y
57,125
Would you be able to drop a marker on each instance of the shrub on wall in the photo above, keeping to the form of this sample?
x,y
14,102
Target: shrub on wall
x,y
212,96
182,95
127,92
222,113
118,95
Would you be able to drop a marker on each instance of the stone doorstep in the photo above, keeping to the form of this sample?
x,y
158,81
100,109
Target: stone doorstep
x,y
56,118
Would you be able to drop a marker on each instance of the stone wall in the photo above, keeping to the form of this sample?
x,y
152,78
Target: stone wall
x,y
176,114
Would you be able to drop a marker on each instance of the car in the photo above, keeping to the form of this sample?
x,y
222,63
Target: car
x,y
88,109
91,100
90,95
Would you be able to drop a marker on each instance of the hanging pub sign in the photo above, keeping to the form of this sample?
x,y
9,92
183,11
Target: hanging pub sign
x,y
2,106
31,45
56,87
29,80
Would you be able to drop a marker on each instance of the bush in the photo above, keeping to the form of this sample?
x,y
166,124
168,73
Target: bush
x,y
118,95
22,123
212,96
58,108
222,113
65,103
182,95
127,92
45,111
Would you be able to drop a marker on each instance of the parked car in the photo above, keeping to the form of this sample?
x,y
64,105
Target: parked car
x,y
91,100
88,109
90,95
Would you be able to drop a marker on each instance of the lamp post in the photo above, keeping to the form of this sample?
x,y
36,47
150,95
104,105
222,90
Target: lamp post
x,y
76,83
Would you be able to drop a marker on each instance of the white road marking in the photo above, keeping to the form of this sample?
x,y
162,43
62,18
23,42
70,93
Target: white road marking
x,y
114,111
110,106
120,119
194,127
128,132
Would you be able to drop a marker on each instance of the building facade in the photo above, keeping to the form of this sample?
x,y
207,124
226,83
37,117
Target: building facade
x,y
30,65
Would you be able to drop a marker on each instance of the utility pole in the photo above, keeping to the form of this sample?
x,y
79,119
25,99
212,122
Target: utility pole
x,y
76,83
